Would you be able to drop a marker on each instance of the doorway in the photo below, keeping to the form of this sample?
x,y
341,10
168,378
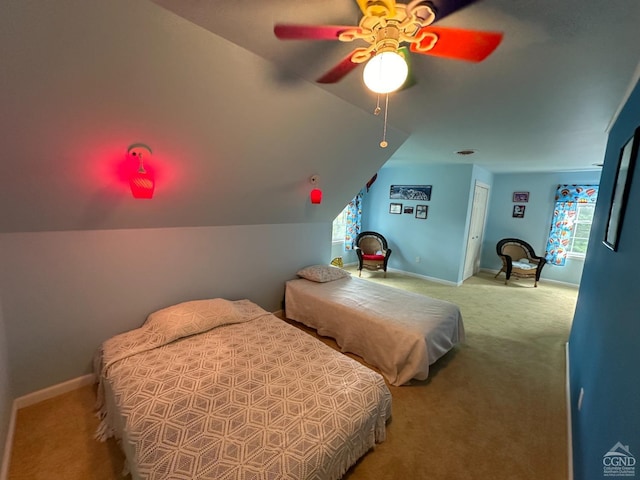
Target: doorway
x,y
476,230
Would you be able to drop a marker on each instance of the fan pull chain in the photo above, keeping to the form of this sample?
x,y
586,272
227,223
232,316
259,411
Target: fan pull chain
x,y
376,111
383,143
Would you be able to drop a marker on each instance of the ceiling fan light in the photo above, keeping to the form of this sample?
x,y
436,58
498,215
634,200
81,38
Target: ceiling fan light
x,y
385,72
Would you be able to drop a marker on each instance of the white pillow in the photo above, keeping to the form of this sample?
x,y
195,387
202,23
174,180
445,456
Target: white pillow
x,y
189,318
524,266
322,273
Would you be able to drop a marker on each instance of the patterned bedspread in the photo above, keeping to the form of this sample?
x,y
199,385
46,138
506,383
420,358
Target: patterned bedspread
x,y
256,398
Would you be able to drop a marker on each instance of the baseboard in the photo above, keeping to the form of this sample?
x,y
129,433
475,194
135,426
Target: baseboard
x,y
569,425
425,277
6,457
542,279
31,399
53,391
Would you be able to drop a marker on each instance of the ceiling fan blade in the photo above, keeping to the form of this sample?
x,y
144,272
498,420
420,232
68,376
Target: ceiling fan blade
x,y
458,43
377,8
442,8
309,32
341,70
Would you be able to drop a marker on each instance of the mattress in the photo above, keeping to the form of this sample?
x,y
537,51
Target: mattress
x,y
399,332
256,398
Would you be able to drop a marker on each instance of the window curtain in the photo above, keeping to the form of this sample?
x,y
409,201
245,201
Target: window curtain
x,y
564,214
353,220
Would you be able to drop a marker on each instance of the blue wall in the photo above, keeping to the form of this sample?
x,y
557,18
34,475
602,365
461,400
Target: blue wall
x,y
440,240
534,227
603,345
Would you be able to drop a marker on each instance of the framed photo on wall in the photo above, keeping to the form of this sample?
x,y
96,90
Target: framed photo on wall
x,y
518,211
408,209
521,197
395,208
622,182
410,192
421,211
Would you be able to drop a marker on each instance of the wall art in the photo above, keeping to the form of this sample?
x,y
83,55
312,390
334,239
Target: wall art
x,y
518,211
624,173
410,192
521,197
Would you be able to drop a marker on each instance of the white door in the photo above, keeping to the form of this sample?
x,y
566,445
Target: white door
x,y
476,229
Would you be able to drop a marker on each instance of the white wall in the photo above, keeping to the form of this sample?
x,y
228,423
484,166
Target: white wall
x,y
65,292
534,227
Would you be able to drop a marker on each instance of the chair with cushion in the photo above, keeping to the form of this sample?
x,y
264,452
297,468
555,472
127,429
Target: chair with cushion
x,y
519,260
373,252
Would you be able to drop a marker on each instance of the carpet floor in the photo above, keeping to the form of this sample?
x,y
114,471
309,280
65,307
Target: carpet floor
x,y
492,408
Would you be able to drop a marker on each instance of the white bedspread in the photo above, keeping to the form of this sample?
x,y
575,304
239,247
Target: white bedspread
x,y
399,332
256,399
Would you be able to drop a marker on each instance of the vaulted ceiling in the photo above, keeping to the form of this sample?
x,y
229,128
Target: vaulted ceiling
x,y
542,101
238,125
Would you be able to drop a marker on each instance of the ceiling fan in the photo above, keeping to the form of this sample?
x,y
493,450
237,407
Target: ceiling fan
x,y
387,26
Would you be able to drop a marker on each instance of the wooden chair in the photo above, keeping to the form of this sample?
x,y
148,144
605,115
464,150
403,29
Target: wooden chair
x,y
519,260
373,252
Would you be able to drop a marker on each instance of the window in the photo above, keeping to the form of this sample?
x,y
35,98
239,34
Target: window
x,y
346,225
571,223
581,228
339,230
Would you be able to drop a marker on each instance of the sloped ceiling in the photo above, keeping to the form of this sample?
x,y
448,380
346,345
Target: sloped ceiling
x,y
541,102
83,80
237,124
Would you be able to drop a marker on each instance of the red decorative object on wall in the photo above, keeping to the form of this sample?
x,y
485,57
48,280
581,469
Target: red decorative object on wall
x,y
316,196
316,193
141,181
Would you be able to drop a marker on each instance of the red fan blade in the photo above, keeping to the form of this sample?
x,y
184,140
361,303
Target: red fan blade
x,y
344,67
309,32
469,45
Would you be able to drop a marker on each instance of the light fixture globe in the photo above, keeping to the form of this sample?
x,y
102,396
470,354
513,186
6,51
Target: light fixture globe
x,y
385,72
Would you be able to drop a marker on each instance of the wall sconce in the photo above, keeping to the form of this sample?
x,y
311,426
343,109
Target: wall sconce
x,y
316,193
141,181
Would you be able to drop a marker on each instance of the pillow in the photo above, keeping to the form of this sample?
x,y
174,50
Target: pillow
x,y
189,318
524,266
322,273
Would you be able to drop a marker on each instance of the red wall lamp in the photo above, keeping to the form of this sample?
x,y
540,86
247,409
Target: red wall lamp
x,y
141,181
316,193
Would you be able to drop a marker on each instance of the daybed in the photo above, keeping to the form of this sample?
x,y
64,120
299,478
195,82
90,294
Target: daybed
x,y
215,389
399,332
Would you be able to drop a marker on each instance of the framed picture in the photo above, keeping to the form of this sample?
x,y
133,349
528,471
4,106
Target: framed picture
x,y
622,182
408,209
521,197
421,211
518,211
410,192
395,208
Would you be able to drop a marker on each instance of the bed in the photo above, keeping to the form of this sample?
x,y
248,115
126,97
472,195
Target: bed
x,y
399,332
219,389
